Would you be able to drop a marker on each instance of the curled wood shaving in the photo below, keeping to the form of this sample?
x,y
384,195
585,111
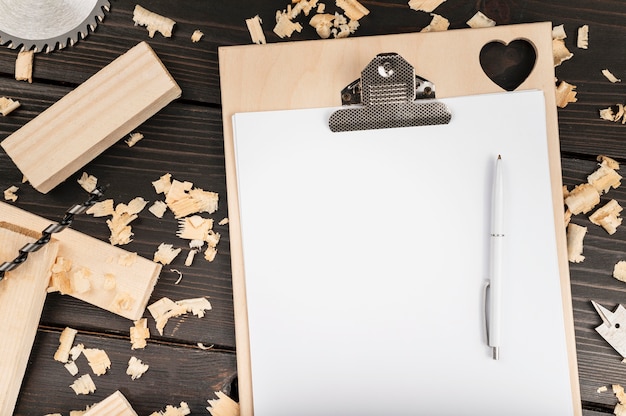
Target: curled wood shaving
x,y
83,385
196,36
610,76
223,405
608,162
558,32
604,178
480,20
194,228
127,259
565,94
80,280
139,334
163,184
608,216
158,209
255,29
10,193
323,23
437,24
560,52
133,139
620,408
8,105
619,270
122,301
582,41
60,277
110,281
98,360
164,309
101,209
166,253
71,367
170,410
602,389
153,22
136,368
87,182
223,221
353,9
583,198
210,253
66,339
76,351
575,235
189,259
284,26
24,66
427,6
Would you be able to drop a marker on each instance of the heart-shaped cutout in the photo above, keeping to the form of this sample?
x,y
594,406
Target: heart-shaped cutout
x,y
508,65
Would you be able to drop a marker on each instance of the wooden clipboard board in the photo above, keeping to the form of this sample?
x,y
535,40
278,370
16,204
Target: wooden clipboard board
x,y
309,74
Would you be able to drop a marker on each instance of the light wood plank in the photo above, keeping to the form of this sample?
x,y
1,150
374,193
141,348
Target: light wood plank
x,y
89,119
100,258
114,405
22,295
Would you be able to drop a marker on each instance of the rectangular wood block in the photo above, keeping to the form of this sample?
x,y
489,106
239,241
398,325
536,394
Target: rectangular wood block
x,y
92,117
22,296
114,405
133,282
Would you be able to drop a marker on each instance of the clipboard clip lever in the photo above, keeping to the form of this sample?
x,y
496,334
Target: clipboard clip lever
x,y
389,94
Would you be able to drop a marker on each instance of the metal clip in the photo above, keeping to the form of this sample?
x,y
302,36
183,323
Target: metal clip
x,y
385,97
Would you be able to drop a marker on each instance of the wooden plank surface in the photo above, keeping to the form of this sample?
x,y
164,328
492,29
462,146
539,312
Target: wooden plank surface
x,y
185,139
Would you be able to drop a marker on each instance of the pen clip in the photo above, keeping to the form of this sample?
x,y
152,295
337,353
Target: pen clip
x,y
486,288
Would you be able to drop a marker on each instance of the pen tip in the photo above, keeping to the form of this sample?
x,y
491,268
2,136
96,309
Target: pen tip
x,y
499,156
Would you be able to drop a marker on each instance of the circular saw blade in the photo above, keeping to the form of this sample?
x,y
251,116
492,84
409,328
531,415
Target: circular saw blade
x,y
44,25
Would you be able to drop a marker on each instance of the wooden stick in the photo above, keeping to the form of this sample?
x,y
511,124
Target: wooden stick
x,y
133,282
22,296
114,405
81,125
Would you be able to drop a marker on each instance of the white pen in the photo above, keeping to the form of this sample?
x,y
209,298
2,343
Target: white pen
x,y
495,267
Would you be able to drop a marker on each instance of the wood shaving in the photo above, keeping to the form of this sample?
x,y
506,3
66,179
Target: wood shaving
x,y
204,347
256,31
80,280
66,339
87,182
284,26
619,270
153,22
602,389
122,216
110,281
323,23
614,113
127,259
353,9
133,139
98,360
610,76
163,184
427,6
582,41
558,32
136,368
83,385
189,260
139,334
164,309
122,301
196,36
302,6
60,276
8,105
560,53
223,405
608,162
565,94
101,208
158,209
180,275
24,66
575,235
72,368
76,351
583,198
604,178
480,20
608,216
437,24
194,228
166,253
210,253
321,7
620,408
10,193
170,410
223,221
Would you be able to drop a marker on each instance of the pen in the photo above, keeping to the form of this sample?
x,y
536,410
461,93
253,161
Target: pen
x,y
495,266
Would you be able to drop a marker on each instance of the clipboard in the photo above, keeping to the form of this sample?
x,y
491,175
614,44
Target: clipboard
x,y
309,74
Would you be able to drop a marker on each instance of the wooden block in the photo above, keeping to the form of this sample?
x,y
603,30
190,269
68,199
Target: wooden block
x,y
137,280
22,295
88,120
114,405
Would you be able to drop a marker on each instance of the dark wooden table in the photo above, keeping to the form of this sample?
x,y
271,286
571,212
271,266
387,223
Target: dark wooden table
x,y
185,139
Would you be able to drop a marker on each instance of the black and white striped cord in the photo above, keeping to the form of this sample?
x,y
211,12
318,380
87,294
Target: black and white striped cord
x,y
46,234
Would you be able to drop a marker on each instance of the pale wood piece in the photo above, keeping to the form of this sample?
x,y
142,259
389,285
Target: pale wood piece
x,y
22,296
81,125
136,279
223,406
24,66
310,74
114,405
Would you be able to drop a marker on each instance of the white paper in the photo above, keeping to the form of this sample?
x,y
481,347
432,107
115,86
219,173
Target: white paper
x,y
366,254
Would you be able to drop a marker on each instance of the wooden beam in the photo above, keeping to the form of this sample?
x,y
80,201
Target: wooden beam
x,y
103,263
81,125
22,295
114,405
